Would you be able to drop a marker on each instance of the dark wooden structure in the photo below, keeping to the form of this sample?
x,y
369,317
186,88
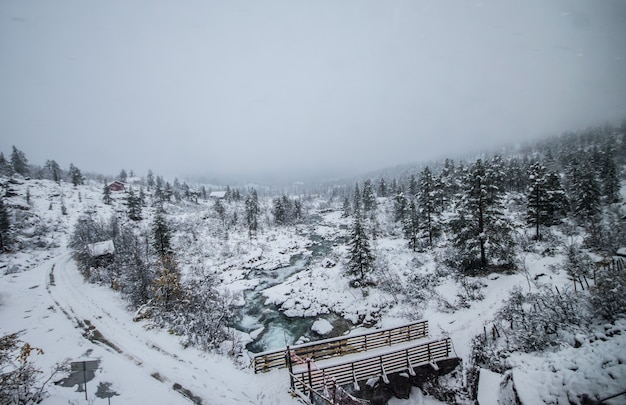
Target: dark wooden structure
x,y
318,369
340,346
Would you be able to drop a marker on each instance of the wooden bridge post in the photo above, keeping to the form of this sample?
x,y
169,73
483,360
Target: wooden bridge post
x,y
308,363
290,364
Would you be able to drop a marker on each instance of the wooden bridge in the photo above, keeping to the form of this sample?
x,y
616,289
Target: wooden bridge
x,y
314,366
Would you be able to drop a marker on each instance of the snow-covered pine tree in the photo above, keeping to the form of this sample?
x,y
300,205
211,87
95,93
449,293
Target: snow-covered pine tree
x,y
19,162
609,176
5,166
346,209
168,192
279,211
76,177
427,205
52,171
161,236
150,179
5,226
585,191
106,194
448,181
382,188
369,197
537,212
400,207
132,256
411,226
558,205
220,210
133,205
481,233
413,187
122,176
252,212
393,187
360,257
356,201
142,197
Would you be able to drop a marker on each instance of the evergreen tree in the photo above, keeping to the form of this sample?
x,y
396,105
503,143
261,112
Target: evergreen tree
x,y
400,206
252,212
497,177
411,226
346,209
219,209
427,205
609,176
106,194
369,198
133,205
76,176
558,205
122,176
167,192
356,204
447,184
142,197
19,162
157,196
516,175
393,187
585,191
5,226
131,254
229,194
382,188
413,188
53,170
481,232
5,167
161,236
360,259
150,180
537,207
297,211
279,211
546,199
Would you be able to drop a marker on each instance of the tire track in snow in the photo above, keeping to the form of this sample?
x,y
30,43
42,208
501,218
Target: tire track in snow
x,y
61,284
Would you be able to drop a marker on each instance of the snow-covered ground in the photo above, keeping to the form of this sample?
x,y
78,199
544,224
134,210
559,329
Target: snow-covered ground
x,y
70,319
43,295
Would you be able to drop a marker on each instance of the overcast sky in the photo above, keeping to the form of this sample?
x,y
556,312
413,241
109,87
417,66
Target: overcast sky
x,y
328,86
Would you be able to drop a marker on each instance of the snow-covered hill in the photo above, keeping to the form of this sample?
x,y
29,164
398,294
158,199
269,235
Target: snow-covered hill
x,y
293,276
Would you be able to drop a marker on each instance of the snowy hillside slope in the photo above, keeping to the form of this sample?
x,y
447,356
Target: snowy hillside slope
x,y
43,296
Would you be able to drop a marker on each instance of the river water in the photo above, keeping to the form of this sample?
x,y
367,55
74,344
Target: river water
x,y
278,329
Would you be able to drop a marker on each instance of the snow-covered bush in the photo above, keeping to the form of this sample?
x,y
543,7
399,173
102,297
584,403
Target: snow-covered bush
x,y
200,316
534,321
471,290
608,295
21,382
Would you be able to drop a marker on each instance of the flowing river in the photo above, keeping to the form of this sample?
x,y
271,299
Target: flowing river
x,y
280,330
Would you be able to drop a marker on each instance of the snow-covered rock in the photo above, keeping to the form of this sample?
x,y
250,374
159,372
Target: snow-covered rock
x,y
322,327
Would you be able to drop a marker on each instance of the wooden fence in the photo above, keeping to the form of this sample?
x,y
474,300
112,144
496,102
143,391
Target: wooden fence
x,y
312,378
324,349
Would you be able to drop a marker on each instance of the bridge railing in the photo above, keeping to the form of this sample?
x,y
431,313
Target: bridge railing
x,y
340,346
373,366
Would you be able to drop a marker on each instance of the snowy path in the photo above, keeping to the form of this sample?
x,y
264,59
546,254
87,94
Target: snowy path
x,y
204,378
